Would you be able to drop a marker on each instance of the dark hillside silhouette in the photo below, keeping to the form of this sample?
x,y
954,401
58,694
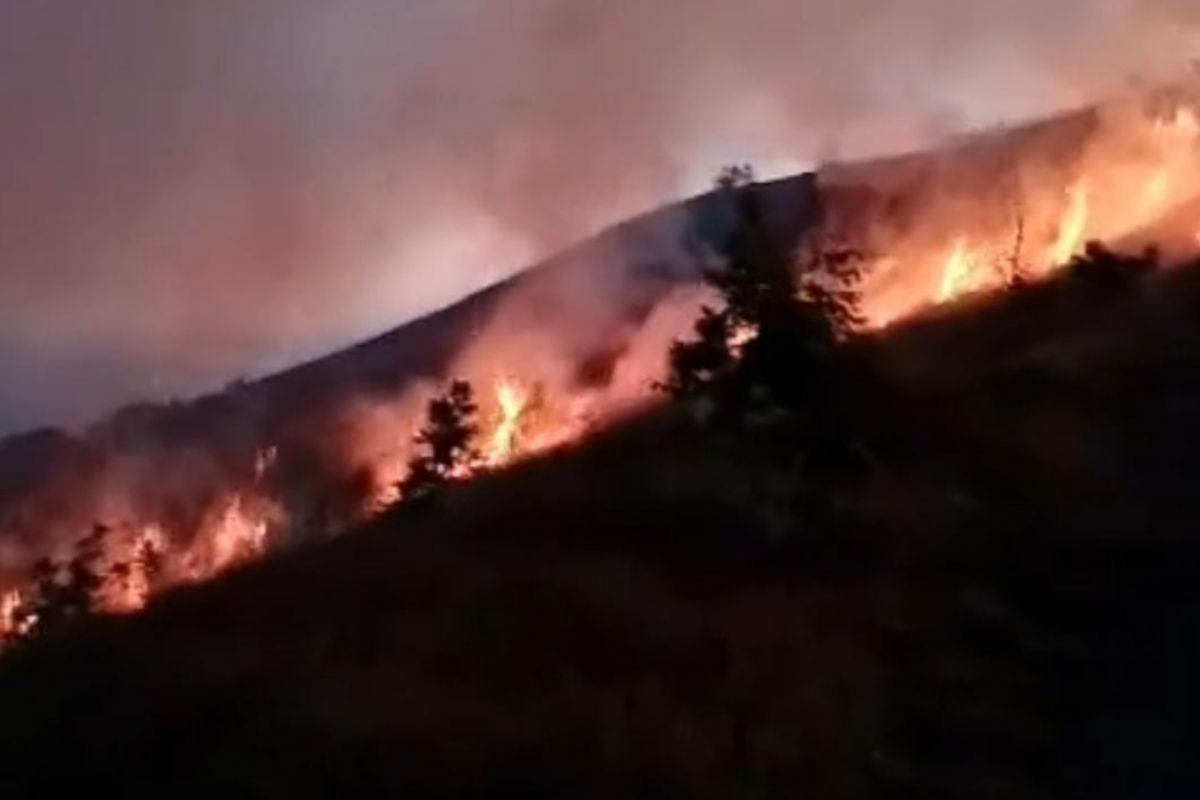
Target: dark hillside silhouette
x,y
1007,608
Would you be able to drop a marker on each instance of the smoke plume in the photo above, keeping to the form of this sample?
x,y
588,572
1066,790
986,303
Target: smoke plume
x,y
200,189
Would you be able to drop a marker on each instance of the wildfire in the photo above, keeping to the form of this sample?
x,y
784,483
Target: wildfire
x,y
1073,228
141,573
525,423
10,602
511,403
931,241
238,536
956,272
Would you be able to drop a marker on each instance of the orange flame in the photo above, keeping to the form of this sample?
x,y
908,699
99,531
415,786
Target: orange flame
x,y
10,602
511,402
133,592
951,238
1073,228
955,273
237,537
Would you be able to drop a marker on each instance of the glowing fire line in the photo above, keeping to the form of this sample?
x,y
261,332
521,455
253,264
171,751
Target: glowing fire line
x,y
1074,226
511,401
1116,192
955,272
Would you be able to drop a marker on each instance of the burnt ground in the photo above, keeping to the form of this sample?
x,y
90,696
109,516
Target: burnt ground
x,y
1003,605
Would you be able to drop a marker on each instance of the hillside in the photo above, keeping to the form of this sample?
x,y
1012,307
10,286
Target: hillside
x,y
1000,606
572,318
582,336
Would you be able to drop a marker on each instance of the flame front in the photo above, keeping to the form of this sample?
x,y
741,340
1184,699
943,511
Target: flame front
x,y
1073,228
511,401
932,234
955,273
131,590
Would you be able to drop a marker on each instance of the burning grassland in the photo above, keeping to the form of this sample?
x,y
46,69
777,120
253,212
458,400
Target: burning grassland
x,y
187,492
1017,205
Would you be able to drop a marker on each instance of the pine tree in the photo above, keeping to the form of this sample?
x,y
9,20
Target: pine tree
x,y
750,284
772,341
446,444
700,362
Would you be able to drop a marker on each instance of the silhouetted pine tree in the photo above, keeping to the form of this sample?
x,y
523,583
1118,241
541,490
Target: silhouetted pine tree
x,y
445,441
768,361
698,363
772,342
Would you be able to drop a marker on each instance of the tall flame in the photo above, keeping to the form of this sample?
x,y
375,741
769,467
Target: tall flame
x,y
133,592
968,268
238,536
1073,227
10,602
955,272
511,402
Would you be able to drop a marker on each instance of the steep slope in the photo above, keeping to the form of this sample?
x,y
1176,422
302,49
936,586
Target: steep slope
x,y
577,312
1002,607
581,338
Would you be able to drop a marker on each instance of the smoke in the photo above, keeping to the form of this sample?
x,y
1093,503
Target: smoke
x,y
200,189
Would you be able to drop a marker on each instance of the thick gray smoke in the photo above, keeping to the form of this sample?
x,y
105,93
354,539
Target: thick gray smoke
x,y
195,190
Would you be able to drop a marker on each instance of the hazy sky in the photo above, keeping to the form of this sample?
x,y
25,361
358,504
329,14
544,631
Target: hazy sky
x,y
193,190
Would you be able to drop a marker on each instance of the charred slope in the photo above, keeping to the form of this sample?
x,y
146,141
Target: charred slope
x,y
1003,607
